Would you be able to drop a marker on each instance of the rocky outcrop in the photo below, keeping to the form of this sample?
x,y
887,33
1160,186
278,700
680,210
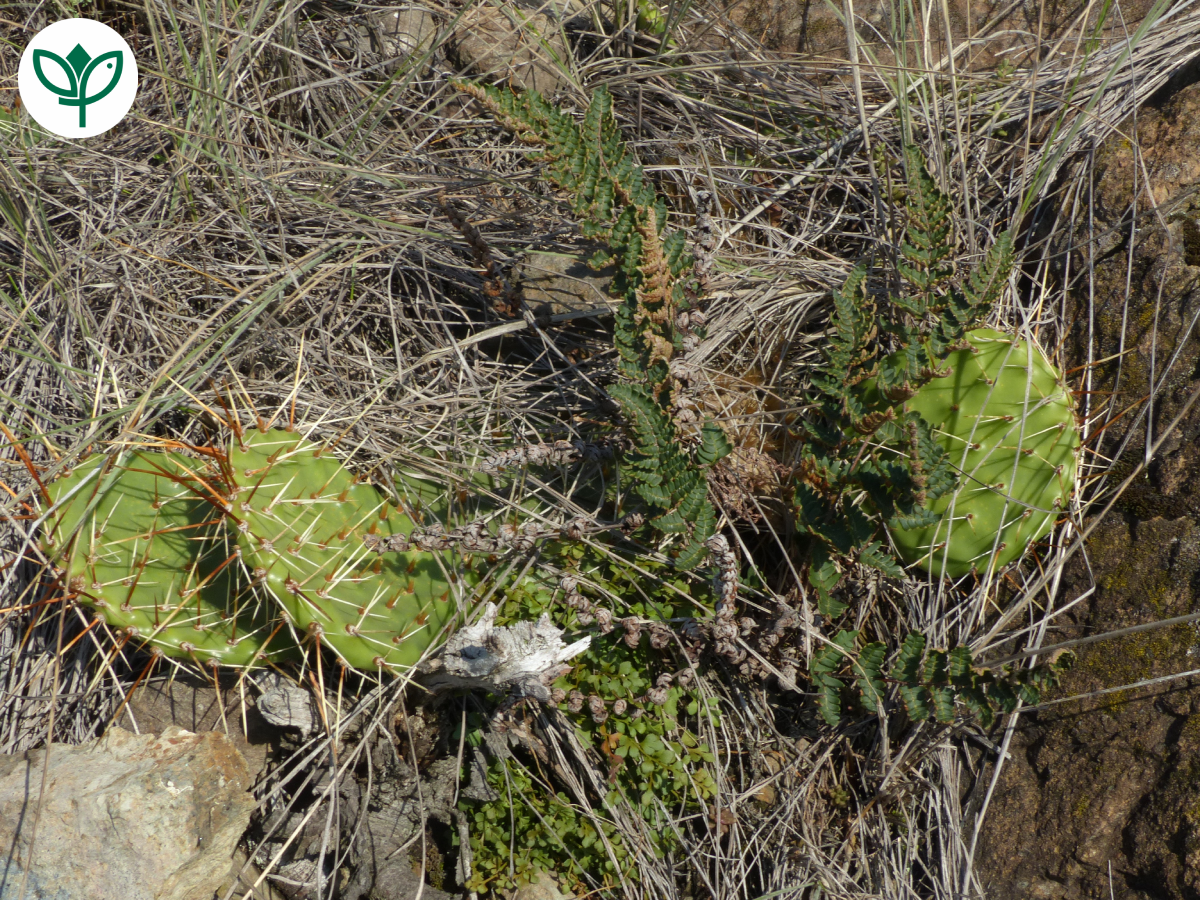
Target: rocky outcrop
x,y
126,817
1110,784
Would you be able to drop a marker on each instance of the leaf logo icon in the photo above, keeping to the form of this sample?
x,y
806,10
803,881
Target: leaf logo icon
x,y
79,67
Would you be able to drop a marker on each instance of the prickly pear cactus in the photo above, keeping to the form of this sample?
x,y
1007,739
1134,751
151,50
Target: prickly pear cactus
x,y
1007,422
300,517
149,554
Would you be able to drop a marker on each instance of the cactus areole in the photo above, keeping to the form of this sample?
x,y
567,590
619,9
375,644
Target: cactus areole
x,y
231,557
1007,422
301,517
146,551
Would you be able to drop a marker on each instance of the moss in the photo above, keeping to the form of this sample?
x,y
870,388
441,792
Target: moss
x,y
1131,659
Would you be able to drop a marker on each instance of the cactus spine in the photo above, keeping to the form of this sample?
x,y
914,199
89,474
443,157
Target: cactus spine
x,y
147,552
1006,423
300,518
224,558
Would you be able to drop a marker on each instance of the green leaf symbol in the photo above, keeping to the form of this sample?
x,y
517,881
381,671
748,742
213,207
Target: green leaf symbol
x,y
79,67
39,59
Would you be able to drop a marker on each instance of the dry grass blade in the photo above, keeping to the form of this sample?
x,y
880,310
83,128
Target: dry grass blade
x,y
269,229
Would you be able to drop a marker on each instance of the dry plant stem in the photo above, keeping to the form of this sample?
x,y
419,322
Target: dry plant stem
x,y
496,287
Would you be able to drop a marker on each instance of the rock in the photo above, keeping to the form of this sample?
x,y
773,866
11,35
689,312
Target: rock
x,y
397,880
1160,319
125,817
554,283
509,44
192,704
241,880
285,704
392,34
405,30
1115,779
544,887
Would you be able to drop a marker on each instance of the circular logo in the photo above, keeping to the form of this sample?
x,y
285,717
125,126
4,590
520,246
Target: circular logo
x,y
77,78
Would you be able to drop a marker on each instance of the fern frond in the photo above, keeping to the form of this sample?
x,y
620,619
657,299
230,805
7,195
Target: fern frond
x,y
985,284
714,444
868,671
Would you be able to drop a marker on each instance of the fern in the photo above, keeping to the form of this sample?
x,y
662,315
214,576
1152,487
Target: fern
x,y
616,204
865,461
929,683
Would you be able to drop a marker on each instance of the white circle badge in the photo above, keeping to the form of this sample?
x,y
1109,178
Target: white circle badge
x,y
77,78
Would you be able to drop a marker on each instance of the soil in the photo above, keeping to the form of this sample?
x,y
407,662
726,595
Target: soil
x,y
1100,798
814,30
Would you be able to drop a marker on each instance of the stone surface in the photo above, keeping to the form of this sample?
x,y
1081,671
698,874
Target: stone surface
x,y
1160,321
389,36
240,881
1114,780
192,704
126,817
509,44
558,283
285,704
397,880
544,887
404,30
1111,780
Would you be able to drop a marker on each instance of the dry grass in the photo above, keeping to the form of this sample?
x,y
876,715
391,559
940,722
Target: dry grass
x,y
268,216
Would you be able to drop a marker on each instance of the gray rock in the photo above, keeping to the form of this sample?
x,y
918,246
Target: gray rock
x,y
287,705
557,283
125,817
405,30
516,46
397,881
390,35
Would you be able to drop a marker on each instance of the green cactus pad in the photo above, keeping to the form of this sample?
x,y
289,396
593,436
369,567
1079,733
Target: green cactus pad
x,y
1007,423
300,517
148,554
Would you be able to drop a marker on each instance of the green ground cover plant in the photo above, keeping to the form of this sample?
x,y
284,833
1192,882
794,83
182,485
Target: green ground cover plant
x,y
629,705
